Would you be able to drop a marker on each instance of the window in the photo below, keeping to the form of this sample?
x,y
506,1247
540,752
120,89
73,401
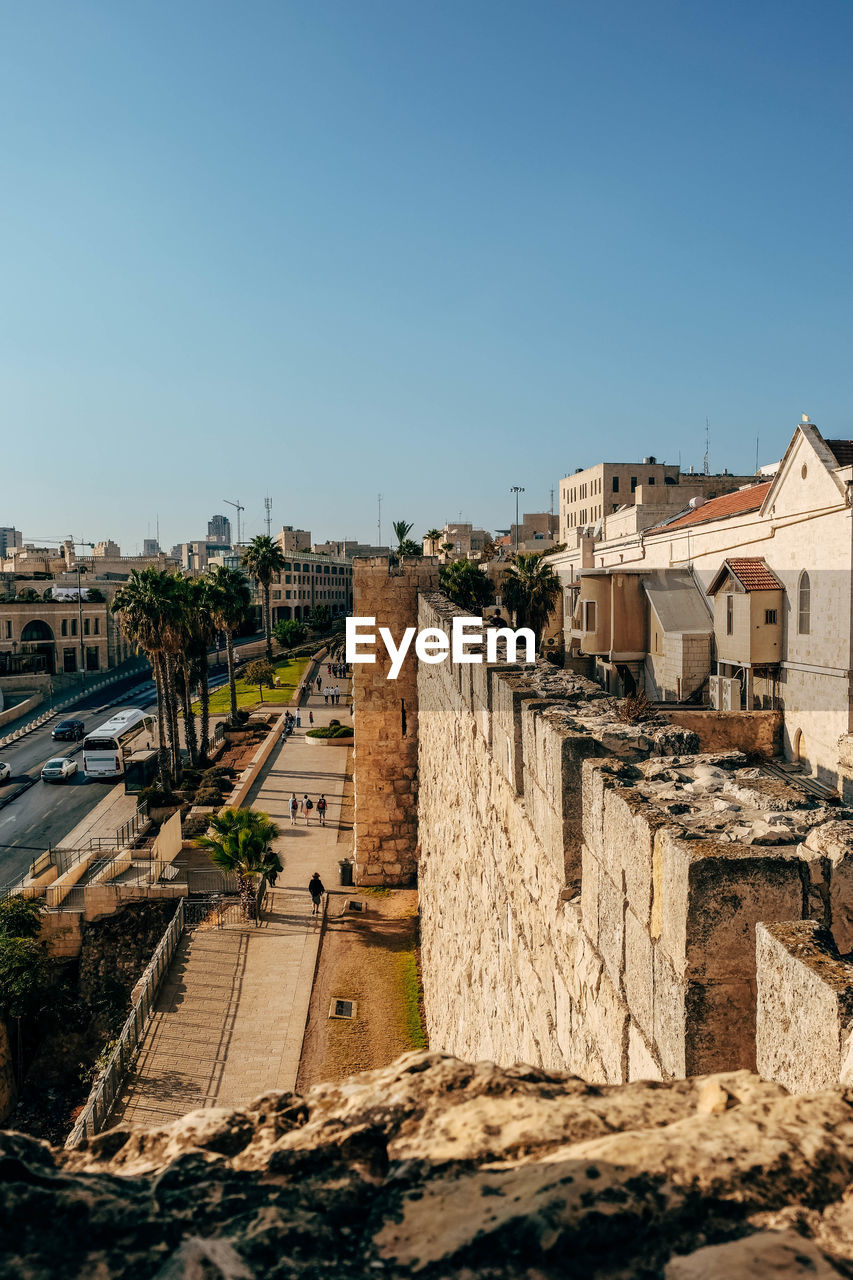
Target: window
x,y
86,626
97,626
769,617
63,627
633,483
73,626
651,479
804,605
730,615
8,630
589,615
615,484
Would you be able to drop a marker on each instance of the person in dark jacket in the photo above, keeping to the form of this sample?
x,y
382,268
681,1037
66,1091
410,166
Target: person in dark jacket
x,y
316,888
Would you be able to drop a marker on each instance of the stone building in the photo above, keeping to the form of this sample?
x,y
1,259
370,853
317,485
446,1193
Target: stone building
x,y
290,539
793,531
59,636
592,494
309,581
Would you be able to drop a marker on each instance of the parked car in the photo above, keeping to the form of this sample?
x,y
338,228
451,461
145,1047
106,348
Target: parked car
x,y
5,772
59,769
69,731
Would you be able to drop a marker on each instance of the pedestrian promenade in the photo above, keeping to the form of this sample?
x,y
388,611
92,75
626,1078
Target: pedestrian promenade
x,y
230,1015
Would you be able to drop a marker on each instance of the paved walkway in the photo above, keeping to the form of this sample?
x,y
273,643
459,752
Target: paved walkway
x,y
231,1013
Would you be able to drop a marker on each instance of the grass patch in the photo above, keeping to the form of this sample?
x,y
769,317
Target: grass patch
x,y
289,672
410,991
376,891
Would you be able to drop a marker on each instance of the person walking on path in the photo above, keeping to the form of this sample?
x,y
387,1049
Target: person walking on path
x,y
316,888
321,810
311,717
293,806
298,718
326,696
307,806
319,683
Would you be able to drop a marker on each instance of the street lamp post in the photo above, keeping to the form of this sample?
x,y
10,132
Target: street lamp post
x,y
516,489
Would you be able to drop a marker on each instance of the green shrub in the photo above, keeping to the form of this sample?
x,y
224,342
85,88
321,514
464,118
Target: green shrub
x,y
158,797
330,731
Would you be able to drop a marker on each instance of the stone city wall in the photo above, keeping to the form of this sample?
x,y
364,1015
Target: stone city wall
x,y
590,890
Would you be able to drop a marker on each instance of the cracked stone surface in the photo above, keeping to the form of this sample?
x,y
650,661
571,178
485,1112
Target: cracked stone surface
x,y
436,1168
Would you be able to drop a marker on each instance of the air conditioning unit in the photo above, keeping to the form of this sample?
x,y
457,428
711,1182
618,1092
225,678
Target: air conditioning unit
x,y
729,694
714,691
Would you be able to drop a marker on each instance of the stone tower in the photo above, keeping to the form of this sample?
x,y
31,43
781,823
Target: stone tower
x,y
386,723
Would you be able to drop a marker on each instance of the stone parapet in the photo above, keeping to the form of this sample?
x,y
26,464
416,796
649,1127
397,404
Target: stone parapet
x,y
804,1026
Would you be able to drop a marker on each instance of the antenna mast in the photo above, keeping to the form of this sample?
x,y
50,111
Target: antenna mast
x,y
707,466
379,521
268,509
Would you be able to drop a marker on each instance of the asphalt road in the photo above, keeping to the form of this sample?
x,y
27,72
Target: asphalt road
x,y
44,813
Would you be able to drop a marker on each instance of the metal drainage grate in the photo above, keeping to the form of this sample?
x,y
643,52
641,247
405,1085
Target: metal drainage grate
x,y
342,1009
355,905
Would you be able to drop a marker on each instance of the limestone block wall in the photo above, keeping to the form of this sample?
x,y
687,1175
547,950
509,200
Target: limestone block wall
x,y
804,1034
754,732
590,893
386,725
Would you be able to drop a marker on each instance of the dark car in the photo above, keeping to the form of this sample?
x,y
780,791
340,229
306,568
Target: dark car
x,y
69,730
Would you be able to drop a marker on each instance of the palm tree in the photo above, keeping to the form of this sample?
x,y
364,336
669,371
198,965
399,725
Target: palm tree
x,y
401,533
194,630
263,559
230,601
240,841
530,590
466,584
432,536
145,608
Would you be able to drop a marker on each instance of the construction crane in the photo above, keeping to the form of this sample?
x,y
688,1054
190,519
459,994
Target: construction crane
x,y
238,507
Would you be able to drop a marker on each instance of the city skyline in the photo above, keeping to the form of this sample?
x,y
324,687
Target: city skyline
x,y
424,253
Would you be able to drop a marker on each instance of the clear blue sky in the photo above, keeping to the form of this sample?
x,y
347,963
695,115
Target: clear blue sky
x,y
329,249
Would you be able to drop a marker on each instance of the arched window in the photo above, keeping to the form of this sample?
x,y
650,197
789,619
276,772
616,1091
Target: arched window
x,y
804,605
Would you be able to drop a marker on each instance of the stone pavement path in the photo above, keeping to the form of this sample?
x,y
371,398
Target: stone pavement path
x,y
230,1015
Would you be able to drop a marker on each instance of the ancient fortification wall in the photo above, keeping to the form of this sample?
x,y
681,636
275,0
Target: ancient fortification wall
x,y
590,890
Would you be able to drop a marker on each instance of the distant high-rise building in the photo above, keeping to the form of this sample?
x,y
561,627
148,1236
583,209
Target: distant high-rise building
x,y
219,530
9,538
150,546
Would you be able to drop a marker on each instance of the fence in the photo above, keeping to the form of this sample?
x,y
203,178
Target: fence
x,y
95,1114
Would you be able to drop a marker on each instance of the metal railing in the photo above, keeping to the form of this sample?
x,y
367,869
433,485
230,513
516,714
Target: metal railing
x,y
94,1116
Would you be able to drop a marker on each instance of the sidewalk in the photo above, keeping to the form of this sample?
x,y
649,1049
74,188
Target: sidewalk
x,y
104,820
230,1016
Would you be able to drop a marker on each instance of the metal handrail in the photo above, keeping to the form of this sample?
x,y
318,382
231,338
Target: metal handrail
x,y
105,1090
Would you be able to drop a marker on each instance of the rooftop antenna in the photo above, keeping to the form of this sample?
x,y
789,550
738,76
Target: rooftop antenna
x,y
268,509
707,465
756,452
239,508
552,501
379,521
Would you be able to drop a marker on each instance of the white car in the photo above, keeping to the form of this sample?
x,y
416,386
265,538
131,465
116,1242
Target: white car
x,y
5,772
59,769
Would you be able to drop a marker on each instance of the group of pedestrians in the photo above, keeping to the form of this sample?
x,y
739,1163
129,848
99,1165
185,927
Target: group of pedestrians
x,y
331,691
337,670
305,807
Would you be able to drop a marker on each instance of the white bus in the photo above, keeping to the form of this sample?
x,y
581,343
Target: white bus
x,y
106,748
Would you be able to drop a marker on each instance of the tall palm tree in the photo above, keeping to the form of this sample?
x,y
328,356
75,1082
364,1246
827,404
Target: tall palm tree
x,y
144,605
230,601
432,536
263,559
531,589
401,532
194,630
240,841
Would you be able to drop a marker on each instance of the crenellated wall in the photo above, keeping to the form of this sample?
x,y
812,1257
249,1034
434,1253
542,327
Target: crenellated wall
x,y
590,890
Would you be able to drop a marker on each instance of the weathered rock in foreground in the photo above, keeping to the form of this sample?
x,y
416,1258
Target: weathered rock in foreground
x,y
436,1168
